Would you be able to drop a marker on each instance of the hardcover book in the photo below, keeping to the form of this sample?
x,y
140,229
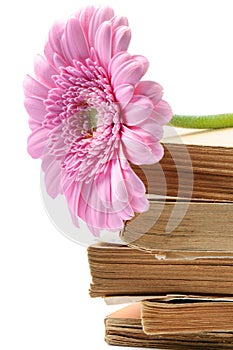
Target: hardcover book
x,y
124,328
118,270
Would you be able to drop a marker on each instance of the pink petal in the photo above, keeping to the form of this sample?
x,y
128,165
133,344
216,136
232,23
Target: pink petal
x,y
150,89
137,111
72,194
122,190
152,128
99,16
136,149
157,150
84,209
66,51
116,183
124,94
102,194
91,208
36,109
163,112
53,44
108,200
59,61
148,136
66,180
79,197
75,219
114,222
119,59
76,42
103,43
33,124
121,39
33,88
44,71
110,196
124,186
118,21
52,177
95,231
140,204
37,141
104,188
143,61
84,17
56,145
130,72
137,186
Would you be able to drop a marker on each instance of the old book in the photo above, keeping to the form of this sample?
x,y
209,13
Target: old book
x,y
123,271
191,197
187,315
180,226
195,165
124,328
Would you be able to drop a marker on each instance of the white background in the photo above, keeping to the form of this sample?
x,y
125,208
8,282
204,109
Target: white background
x,y
44,300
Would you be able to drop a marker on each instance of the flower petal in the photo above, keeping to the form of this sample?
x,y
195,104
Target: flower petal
x,y
128,188
36,109
53,44
121,39
37,141
150,89
99,16
129,72
124,94
76,42
110,197
137,111
59,61
104,202
152,128
116,61
56,143
119,21
157,150
139,204
103,43
137,150
91,208
44,71
52,177
143,61
84,17
72,194
33,88
163,112
86,66
79,197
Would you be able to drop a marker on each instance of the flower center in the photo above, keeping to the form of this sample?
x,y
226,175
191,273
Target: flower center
x,y
80,125
84,120
90,122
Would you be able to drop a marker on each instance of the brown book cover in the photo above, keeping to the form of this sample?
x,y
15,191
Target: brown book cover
x,y
124,328
123,271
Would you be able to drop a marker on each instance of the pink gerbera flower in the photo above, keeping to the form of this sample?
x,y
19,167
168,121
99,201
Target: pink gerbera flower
x,y
90,115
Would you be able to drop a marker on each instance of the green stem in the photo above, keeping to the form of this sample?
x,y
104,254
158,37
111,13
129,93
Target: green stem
x,y
217,121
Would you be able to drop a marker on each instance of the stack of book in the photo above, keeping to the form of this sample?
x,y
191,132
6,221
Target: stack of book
x,y
174,267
